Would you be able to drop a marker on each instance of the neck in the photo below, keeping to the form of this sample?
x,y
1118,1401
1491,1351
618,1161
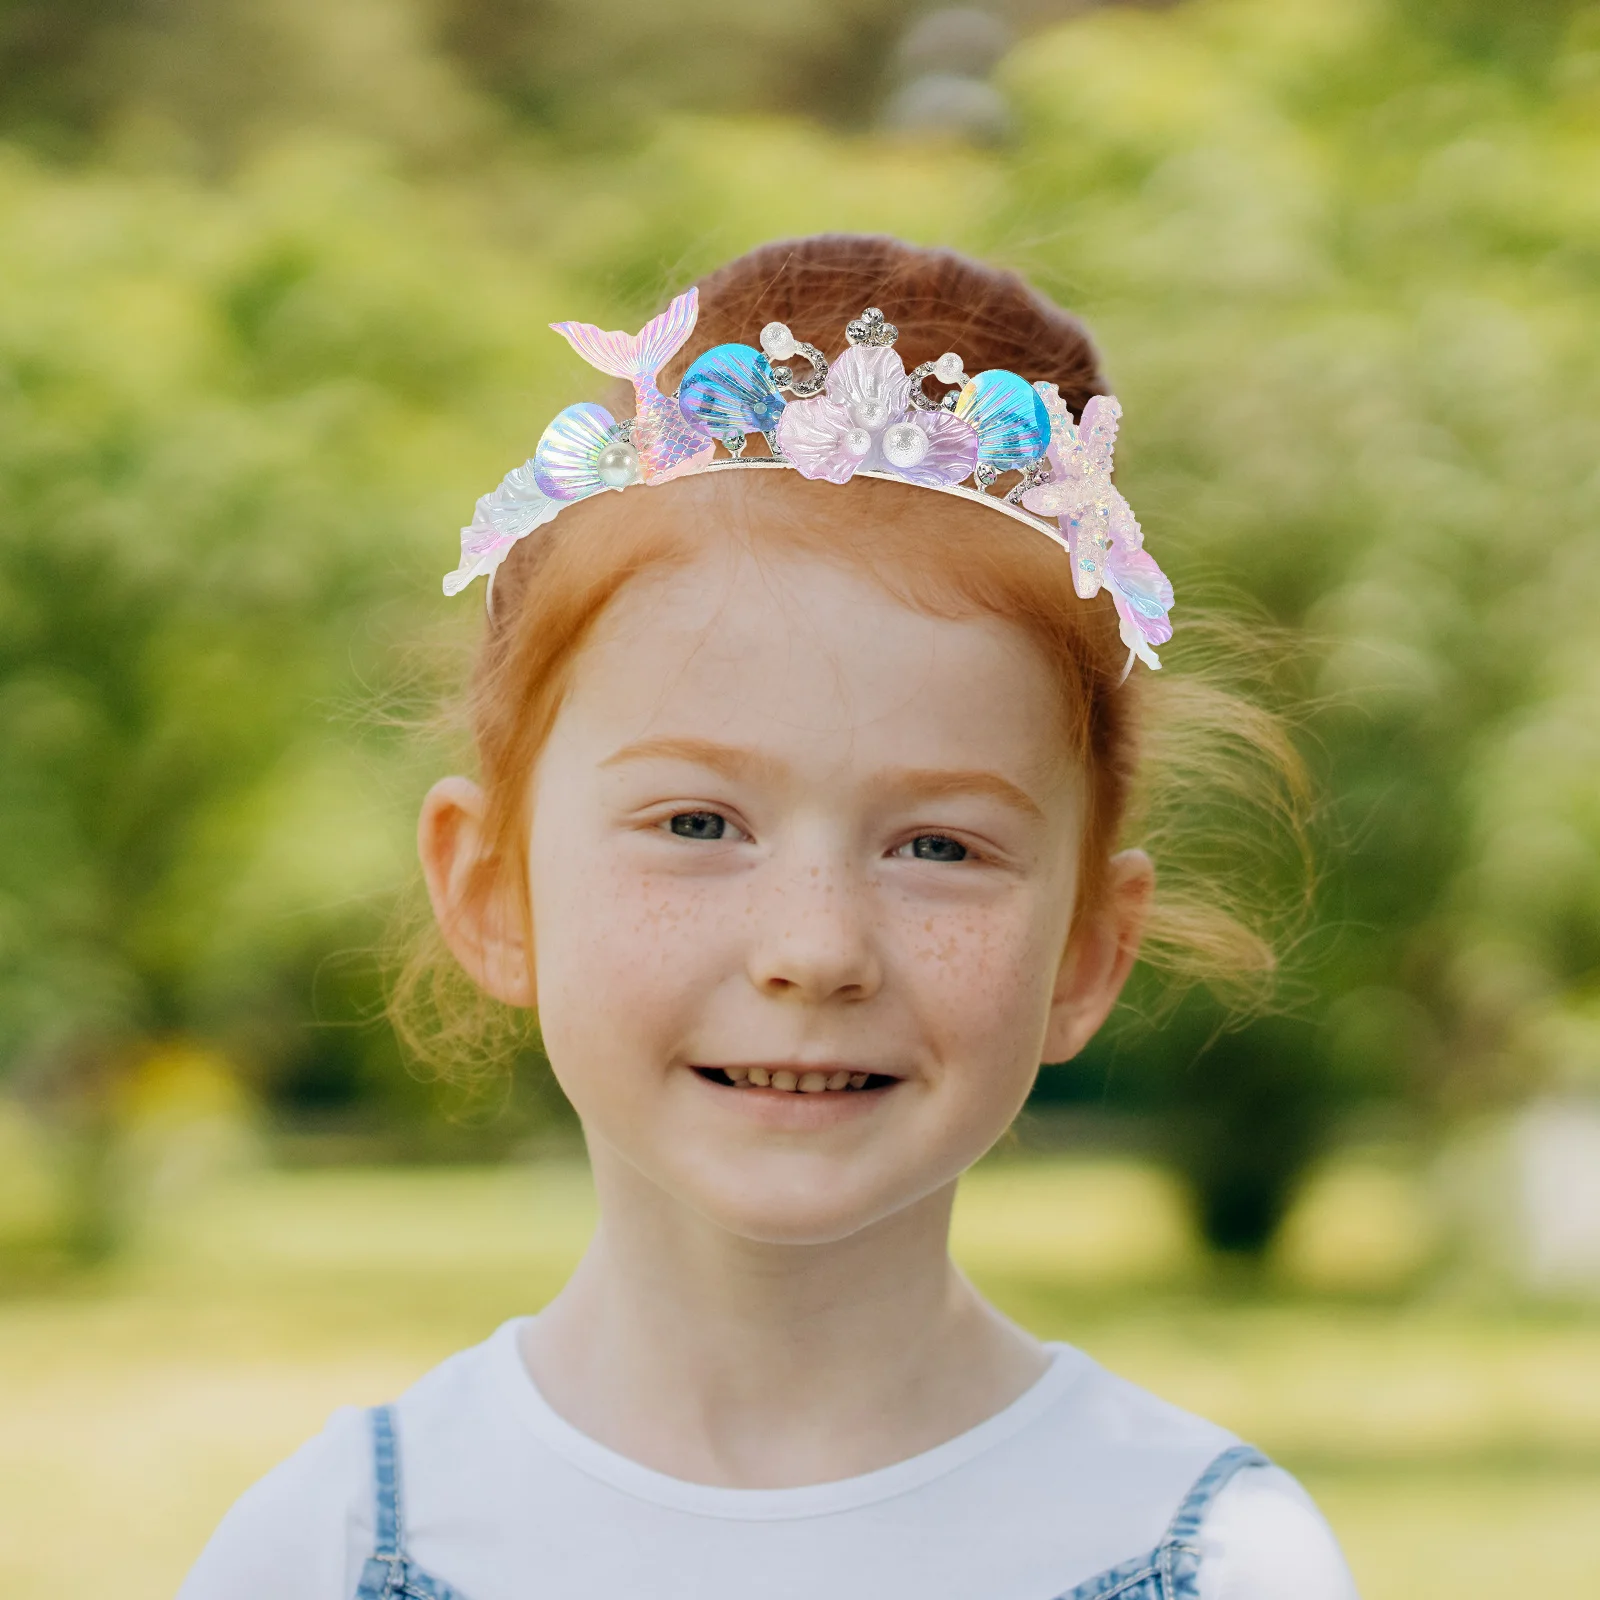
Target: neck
x,y
725,1360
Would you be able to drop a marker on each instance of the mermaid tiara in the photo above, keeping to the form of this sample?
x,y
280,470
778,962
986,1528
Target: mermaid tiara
x,y
862,415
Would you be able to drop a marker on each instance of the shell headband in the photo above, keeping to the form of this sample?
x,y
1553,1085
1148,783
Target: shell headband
x,y
863,415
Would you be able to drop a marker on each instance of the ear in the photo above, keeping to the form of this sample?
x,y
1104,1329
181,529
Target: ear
x,y
484,928
1100,955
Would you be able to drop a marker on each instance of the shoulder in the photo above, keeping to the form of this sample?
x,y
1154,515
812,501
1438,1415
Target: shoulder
x,y
307,1528
294,1530
1121,1415
1109,1433
1263,1538
1119,1462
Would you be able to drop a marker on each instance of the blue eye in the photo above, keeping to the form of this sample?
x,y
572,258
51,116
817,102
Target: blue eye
x,y
699,825
937,847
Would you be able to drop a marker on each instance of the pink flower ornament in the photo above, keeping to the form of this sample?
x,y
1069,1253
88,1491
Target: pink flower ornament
x,y
865,421
1097,524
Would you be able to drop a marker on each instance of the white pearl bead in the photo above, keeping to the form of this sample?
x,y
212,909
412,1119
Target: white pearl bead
x,y
857,442
905,444
872,412
777,341
617,465
948,368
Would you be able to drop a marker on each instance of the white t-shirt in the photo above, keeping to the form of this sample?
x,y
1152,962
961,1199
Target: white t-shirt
x,y
503,1500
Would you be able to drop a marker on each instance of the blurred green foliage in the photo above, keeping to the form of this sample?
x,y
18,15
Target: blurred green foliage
x,y
436,75
1345,273
231,423
278,322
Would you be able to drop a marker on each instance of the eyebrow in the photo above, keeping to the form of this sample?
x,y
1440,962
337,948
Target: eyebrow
x,y
938,783
742,765
728,760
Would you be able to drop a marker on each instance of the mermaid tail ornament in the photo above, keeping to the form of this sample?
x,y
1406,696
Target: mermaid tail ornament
x,y
669,443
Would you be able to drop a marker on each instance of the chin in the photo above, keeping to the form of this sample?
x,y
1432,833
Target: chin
x,y
797,1215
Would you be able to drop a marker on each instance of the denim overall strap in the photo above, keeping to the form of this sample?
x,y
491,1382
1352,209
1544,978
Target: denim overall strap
x,y
389,1574
1178,1555
1172,1570
386,1478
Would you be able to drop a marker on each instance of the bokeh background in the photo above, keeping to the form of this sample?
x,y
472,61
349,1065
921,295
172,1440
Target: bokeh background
x,y
274,280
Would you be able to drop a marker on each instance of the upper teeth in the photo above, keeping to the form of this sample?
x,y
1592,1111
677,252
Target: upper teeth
x,y
792,1082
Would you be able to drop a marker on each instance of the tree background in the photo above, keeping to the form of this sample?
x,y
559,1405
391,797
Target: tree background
x,y
272,302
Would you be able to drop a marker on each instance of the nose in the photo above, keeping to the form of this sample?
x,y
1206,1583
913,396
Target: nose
x,y
813,938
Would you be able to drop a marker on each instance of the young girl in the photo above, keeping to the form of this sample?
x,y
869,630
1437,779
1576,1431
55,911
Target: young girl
x,y
804,762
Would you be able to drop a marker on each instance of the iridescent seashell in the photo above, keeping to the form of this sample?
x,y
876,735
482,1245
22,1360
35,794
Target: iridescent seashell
x,y
1142,595
564,463
1147,589
1013,425
729,391
510,513
518,506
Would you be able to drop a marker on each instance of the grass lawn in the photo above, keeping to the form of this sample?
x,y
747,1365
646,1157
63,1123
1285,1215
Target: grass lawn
x,y
1456,1451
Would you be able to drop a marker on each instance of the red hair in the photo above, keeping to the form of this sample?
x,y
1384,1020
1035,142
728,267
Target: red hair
x,y
937,554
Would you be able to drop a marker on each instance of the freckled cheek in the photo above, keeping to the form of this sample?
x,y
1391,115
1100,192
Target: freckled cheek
x,y
987,974
615,928
627,964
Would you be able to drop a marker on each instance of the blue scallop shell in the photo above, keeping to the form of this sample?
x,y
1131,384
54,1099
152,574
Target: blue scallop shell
x,y
1012,423
563,465
729,391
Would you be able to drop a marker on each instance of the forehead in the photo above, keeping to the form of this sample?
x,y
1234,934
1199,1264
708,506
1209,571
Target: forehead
x,y
791,654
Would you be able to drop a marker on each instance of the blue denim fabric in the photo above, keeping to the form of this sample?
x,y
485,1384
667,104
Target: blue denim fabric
x,y
1172,1570
390,1574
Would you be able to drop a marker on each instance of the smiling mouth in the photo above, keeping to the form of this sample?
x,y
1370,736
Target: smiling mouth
x,y
839,1081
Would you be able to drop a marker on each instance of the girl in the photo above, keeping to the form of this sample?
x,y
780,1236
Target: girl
x,y
804,763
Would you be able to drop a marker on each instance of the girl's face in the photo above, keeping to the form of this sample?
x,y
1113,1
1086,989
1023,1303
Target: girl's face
x,y
788,835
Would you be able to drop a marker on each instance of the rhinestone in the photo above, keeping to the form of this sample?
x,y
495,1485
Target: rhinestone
x,y
870,328
617,466
777,341
905,444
